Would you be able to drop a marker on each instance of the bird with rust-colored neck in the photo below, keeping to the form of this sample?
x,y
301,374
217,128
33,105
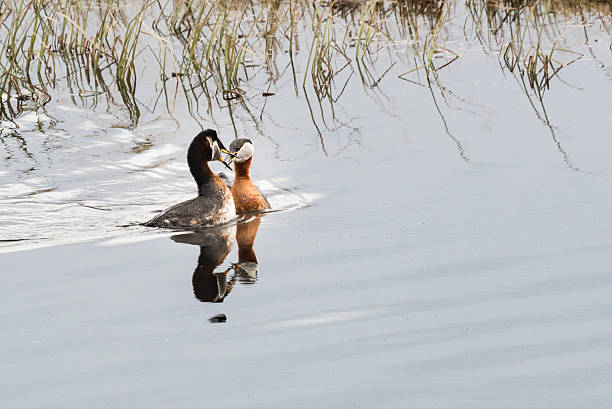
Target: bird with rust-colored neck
x,y
214,204
247,198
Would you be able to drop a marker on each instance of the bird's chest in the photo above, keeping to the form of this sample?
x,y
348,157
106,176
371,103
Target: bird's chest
x,y
246,197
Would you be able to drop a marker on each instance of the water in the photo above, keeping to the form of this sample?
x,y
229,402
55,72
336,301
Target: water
x,y
408,266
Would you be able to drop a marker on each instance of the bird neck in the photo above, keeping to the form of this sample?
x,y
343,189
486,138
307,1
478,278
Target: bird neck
x,y
243,169
203,176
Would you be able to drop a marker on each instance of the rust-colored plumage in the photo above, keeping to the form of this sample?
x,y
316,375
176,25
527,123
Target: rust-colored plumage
x,y
247,198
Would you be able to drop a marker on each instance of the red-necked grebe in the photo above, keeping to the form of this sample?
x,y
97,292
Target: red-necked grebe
x,y
247,198
214,204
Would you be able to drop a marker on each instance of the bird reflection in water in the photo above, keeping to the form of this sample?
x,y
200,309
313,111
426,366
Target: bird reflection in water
x,y
246,267
215,244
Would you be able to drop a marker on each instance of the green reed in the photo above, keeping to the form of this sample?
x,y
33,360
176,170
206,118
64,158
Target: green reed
x,y
214,53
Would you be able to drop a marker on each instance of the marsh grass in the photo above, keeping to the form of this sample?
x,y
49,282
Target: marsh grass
x,y
529,36
229,54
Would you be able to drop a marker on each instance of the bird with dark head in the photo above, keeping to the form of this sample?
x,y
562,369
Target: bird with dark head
x,y
205,147
247,198
214,203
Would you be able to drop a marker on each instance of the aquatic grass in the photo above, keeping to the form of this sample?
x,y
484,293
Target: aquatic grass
x,y
46,33
526,34
217,37
225,55
538,60
530,41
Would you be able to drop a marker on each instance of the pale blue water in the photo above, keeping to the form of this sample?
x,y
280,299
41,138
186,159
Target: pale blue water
x,y
406,269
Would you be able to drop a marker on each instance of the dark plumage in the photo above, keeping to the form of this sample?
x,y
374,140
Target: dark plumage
x,y
214,203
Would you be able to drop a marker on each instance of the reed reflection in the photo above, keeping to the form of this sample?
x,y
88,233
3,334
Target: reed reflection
x,y
212,280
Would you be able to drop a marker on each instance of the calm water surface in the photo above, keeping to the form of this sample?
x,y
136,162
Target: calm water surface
x,y
410,266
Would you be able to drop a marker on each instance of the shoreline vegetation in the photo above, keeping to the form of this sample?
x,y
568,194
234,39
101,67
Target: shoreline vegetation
x,y
224,54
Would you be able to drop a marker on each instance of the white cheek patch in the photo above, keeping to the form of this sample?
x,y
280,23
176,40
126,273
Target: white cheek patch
x,y
216,152
245,152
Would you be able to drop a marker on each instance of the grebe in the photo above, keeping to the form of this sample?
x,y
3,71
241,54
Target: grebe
x,y
214,204
247,198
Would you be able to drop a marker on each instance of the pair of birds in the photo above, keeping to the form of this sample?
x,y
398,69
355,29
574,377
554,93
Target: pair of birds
x,y
215,203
